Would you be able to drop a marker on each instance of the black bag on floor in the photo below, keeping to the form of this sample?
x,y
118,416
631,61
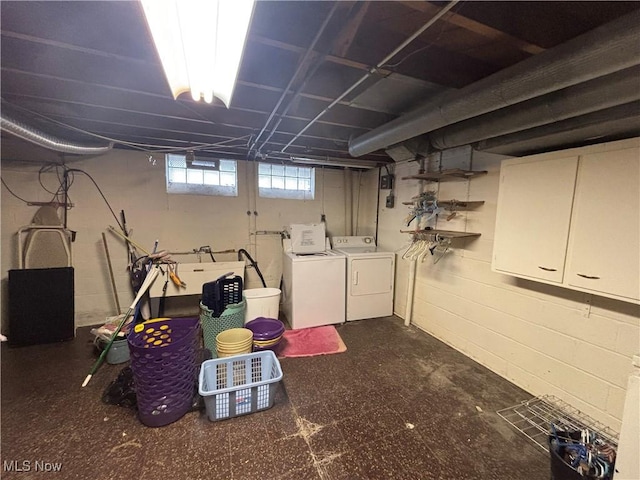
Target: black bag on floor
x,y
122,391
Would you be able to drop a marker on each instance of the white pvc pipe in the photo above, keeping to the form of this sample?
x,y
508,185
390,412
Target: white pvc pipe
x,y
408,311
348,202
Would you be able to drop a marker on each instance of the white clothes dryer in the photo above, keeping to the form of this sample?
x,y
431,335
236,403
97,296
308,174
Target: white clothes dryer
x,y
370,277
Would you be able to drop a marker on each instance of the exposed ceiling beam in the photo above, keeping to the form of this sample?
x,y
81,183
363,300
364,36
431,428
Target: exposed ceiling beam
x,y
122,90
75,48
329,58
348,34
263,40
202,117
466,61
475,27
101,125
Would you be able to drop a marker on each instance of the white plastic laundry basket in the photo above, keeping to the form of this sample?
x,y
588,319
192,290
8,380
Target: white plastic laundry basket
x,y
261,302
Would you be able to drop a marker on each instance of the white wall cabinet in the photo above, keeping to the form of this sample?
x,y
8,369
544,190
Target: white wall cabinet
x,y
534,213
604,244
572,218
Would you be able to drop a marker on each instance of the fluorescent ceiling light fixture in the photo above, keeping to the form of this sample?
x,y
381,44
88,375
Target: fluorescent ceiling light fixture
x,y
331,162
200,44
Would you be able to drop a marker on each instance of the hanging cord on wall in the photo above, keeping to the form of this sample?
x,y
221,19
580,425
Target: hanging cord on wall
x,y
63,171
253,263
72,170
57,167
11,192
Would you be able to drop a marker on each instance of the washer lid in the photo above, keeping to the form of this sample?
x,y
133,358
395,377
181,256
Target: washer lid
x,y
311,257
308,237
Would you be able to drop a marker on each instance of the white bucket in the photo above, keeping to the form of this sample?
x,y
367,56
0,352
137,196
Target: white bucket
x,y
261,302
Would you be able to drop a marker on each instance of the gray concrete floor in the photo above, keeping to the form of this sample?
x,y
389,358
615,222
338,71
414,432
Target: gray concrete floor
x,y
342,416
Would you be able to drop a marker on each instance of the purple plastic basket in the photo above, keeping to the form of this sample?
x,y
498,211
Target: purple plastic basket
x,y
265,328
164,360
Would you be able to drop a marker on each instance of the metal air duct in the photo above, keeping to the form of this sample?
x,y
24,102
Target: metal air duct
x,y
604,50
609,91
25,132
618,122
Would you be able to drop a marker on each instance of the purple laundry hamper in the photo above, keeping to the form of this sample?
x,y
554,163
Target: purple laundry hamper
x,y
165,359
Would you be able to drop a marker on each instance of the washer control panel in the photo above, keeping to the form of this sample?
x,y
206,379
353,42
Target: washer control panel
x,y
353,242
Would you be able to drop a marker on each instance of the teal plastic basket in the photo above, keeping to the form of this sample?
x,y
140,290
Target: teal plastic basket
x,y
231,317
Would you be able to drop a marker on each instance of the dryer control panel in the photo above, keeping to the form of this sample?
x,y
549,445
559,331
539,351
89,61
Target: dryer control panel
x,y
353,242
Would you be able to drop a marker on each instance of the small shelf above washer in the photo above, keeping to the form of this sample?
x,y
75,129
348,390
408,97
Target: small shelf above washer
x,y
442,233
444,175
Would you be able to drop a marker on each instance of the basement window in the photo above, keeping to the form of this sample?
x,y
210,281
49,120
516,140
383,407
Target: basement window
x,y
201,176
286,181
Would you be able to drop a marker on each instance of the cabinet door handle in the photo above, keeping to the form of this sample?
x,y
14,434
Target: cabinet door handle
x,y
590,277
547,269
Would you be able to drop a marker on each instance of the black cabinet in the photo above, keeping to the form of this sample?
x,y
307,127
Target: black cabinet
x,y
41,306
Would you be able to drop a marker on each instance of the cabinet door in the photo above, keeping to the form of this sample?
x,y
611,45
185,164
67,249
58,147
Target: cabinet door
x,y
534,212
604,251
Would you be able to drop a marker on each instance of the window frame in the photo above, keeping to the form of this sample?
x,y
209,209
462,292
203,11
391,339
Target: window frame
x,y
284,174
212,189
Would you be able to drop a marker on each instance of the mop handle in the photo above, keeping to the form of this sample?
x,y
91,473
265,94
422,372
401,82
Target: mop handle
x,y
126,238
151,276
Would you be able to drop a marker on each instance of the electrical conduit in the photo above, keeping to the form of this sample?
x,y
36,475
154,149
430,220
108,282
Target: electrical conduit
x,y
373,70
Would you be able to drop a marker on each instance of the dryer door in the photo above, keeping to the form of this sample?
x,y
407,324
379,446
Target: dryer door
x,y
370,276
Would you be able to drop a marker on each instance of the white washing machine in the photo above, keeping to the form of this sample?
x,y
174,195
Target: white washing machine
x,y
370,277
313,288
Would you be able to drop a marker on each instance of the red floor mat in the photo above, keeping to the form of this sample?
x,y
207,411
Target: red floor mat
x,y
308,342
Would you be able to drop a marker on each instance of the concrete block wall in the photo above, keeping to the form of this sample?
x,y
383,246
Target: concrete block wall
x,y
180,222
545,339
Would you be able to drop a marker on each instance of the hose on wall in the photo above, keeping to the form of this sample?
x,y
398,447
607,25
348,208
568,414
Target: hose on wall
x,y
253,263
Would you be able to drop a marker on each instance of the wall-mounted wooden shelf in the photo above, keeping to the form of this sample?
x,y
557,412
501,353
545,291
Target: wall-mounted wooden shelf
x,y
459,204
442,233
444,175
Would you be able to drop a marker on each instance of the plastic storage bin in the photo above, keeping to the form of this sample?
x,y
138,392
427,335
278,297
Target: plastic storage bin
x,y
267,333
118,353
220,293
232,317
165,357
561,470
239,385
262,302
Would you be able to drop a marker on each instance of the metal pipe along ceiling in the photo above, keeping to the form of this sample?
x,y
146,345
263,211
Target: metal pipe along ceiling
x,y
373,70
604,92
50,142
301,64
604,50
